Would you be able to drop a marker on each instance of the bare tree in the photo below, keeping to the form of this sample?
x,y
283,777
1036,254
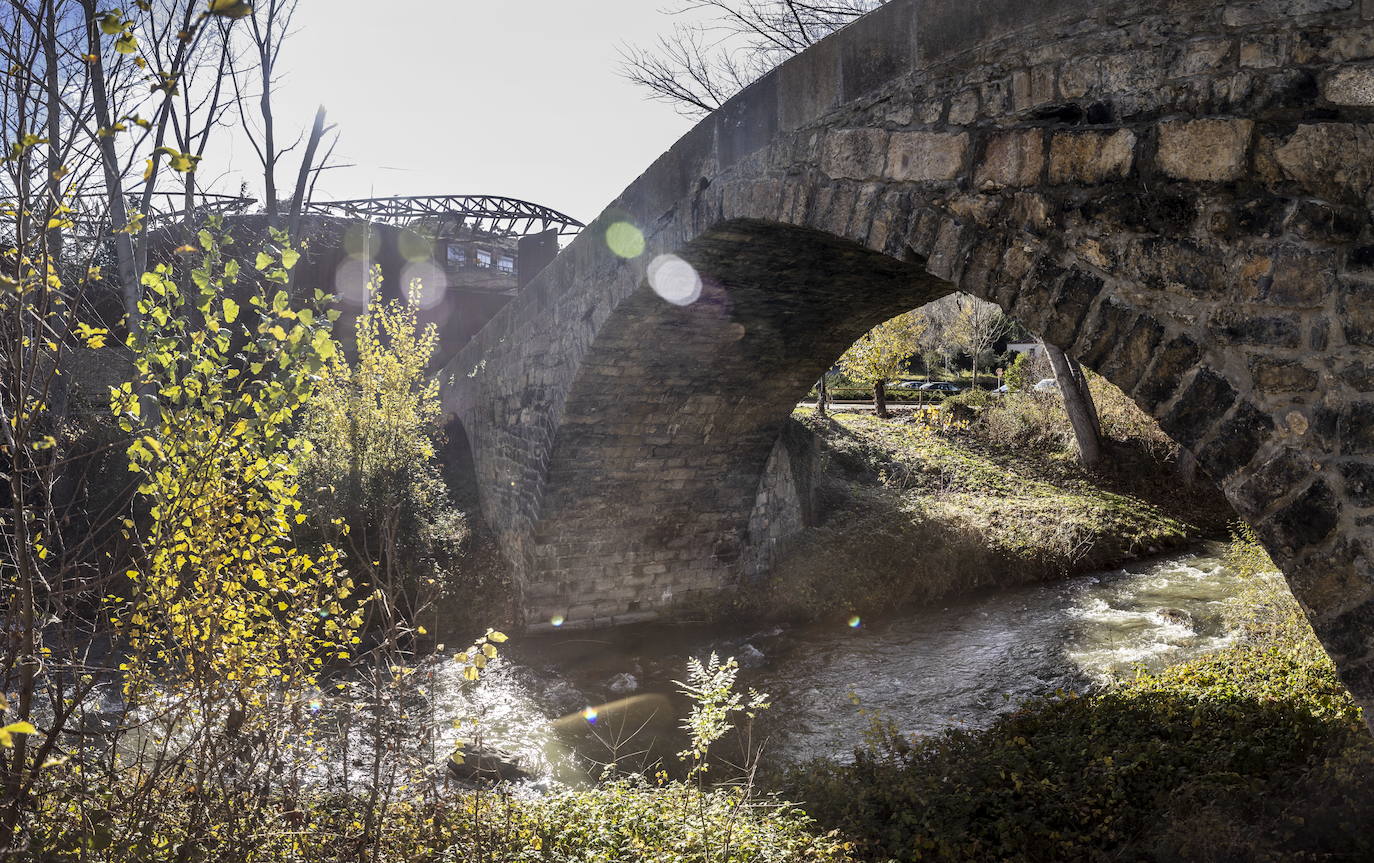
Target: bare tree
x,y
977,326
728,45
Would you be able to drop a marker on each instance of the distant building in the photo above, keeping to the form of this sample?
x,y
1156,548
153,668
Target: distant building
x,y
1033,349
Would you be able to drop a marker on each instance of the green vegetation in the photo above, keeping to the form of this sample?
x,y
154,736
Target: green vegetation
x,y
1255,752
374,484
982,492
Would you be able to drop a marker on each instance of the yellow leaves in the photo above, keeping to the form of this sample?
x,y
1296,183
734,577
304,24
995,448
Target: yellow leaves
x,y
231,310
7,732
230,8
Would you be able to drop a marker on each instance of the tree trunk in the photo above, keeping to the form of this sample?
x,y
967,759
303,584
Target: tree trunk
x,y
821,395
114,181
293,222
880,398
1078,405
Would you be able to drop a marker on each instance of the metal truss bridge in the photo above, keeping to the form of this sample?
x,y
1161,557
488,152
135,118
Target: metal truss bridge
x,y
491,214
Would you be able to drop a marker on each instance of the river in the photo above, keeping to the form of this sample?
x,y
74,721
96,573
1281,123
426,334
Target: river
x,y
961,663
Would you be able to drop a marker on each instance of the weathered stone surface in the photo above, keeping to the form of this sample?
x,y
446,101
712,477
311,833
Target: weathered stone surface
x,y
854,154
1357,313
1011,159
1306,521
1333,159
1203,56
1352,85
1281,376
1359,482
1205,150
1208,396
926,156
1236,441
1091,157
1356,428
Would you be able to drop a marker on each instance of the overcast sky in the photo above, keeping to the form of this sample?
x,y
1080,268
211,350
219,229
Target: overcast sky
x,y
508,97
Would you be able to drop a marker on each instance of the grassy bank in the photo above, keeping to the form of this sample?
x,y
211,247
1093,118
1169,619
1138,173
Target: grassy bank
x,y
1255,752
921,506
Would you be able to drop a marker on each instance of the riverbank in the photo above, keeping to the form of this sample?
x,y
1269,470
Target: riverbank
x,y
919,507
1255,752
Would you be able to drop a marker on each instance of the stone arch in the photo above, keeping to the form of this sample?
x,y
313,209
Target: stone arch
x,y
1177,192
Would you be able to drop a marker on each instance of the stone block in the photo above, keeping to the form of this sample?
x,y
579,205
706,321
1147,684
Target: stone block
x,y
1273,478
1070,306
1211,150
926,156
1359,482
1080,77
1281,376
747,122
1357,312
1203,57
963,107
1208,396
1237,326
1011,159
1351,85
1331,160
1356,429
854,154
1359,376
1305,522
1236,441
1262,11
1264,52
1091,157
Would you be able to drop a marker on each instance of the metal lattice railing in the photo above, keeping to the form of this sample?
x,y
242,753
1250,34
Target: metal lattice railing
x,y
484,213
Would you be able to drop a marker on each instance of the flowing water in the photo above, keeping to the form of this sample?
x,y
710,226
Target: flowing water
x,y
958,664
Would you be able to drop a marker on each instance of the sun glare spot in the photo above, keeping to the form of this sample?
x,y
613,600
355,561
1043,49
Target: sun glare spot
x,y
854,622
625,240
590,715
430,283
556,620
674,280
350,281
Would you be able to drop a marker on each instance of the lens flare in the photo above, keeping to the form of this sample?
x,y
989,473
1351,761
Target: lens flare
x,y
625,240
674,280
413,247
854,622
423,284
315,705
350,281
590,715
556,620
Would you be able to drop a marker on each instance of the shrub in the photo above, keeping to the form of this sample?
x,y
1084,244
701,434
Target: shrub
x,y
373,424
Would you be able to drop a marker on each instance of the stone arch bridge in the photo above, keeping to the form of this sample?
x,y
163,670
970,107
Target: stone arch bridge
x,y
1177,192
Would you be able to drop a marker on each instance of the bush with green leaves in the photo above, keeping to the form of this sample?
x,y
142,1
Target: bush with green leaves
x,y
373,471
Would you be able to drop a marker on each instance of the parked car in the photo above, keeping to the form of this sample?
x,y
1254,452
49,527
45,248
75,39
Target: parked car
x,y
941,387
907,385
1046,385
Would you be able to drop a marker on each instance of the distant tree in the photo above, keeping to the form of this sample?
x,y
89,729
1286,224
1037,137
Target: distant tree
x,y
699,65
977,326
881,352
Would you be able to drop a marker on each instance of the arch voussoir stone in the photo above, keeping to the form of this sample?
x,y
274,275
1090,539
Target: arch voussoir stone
x,y
1177,192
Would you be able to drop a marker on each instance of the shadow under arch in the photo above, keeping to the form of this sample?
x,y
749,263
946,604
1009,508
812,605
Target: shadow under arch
x,y
675,409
